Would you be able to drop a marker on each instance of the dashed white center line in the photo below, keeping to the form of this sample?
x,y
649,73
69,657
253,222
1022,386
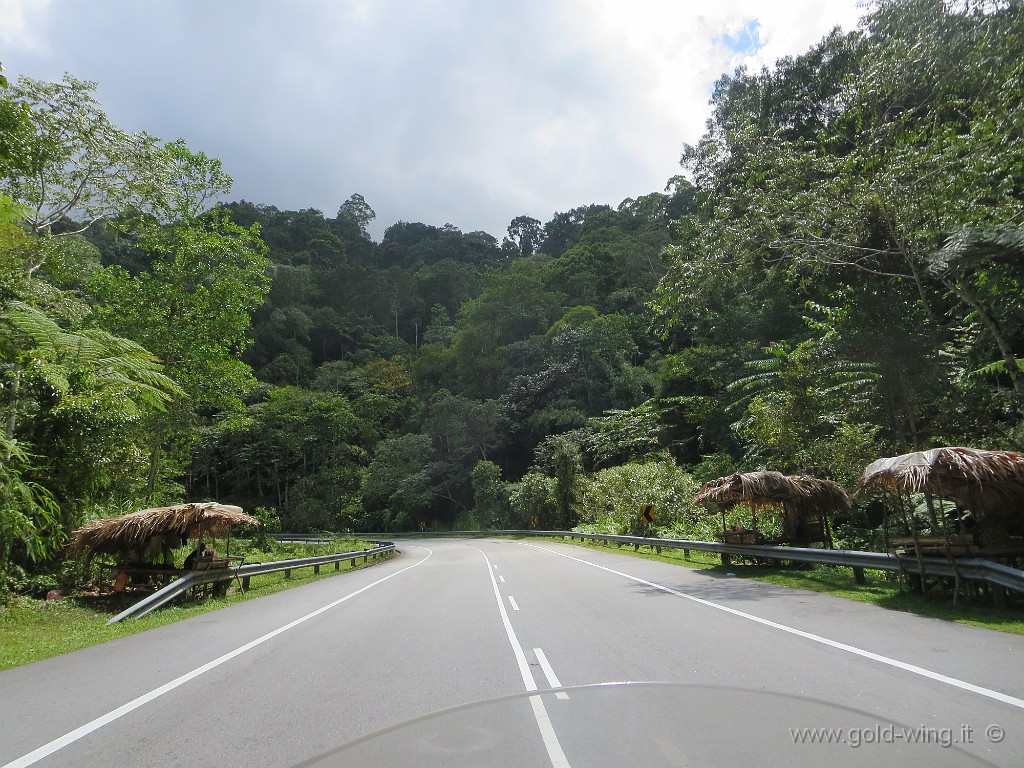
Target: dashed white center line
x,y
549,673
512,602
501,579
540,714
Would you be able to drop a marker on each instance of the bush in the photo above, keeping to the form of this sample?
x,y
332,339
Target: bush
x,y
614,498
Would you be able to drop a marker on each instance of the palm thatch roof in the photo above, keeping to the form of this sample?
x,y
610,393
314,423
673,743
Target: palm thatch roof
x,y
988,483
131,533
797,494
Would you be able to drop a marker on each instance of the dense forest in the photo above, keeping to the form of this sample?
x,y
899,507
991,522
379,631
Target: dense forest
x,y
835,275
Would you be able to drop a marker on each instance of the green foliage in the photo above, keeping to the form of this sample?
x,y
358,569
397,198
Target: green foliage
x,y
802,410
490,496
79,163
534,496
613,500
29,514
398,489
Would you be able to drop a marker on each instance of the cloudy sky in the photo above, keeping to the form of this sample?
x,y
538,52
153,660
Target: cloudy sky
x,y
469,112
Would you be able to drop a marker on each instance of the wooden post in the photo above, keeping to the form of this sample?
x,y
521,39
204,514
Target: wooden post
x,y
858,576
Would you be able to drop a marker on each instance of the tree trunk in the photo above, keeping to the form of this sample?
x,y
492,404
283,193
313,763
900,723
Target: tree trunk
x,y
993,327
12,414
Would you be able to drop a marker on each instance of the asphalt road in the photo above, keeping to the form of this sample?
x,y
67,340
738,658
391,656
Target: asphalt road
x,y
280,680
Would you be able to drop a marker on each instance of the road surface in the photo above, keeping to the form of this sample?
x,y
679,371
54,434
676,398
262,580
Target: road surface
x,y
282,679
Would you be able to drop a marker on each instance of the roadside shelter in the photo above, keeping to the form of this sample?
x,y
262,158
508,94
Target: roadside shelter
x,y
805,503
983,491
143,542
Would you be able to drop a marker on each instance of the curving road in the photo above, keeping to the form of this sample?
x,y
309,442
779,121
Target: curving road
x,y
279,680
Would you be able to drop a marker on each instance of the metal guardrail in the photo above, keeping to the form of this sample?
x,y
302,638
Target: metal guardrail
x,y
244,572
973,569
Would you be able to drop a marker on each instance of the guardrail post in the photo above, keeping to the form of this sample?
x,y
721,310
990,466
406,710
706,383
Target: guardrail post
x,y
658,550
999,595
686,554
858,576
316,570
288,573
337,565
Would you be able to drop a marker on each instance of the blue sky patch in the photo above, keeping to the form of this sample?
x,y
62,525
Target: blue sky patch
x,y
746,40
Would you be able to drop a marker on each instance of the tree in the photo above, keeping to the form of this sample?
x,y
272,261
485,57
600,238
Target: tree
x,y
806,408
78,162
981,266
833,177
490,496
525,235
560,456
358,213
192,309
398,490
15,131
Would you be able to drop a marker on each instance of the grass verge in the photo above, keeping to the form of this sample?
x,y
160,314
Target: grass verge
x,y
31,630
882,588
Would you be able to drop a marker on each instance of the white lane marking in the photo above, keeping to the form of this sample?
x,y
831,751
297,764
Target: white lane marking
x,y
549,673
962,684
501,579
555,753
547,732
94,725
513,603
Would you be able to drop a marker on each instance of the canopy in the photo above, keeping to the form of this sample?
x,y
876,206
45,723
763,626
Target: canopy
x,y
988,483
132,532
803,495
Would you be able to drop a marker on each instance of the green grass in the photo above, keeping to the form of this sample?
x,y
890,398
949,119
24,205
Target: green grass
x,y
31,630
882,589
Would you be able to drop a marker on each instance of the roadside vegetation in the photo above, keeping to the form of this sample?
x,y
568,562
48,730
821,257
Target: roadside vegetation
x,y
835,275
32,629
882,588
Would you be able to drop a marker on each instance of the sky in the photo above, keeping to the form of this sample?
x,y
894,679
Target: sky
x,y
463,112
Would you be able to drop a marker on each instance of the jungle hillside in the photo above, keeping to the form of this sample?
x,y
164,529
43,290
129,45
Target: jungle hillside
x,y
835,275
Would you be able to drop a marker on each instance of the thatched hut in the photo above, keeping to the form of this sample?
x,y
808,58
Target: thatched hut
x,y
806,503
987,486
132,535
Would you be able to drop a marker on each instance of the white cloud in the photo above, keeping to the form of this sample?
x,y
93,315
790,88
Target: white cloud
x,y
19,24
463,111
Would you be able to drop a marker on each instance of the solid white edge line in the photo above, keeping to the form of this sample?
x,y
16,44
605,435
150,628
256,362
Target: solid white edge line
x,y
540,713
513,603
94,725
962,684
549,673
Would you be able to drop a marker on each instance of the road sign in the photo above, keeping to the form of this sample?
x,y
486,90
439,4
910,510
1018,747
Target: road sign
x,y
423,526
534,521
647,513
